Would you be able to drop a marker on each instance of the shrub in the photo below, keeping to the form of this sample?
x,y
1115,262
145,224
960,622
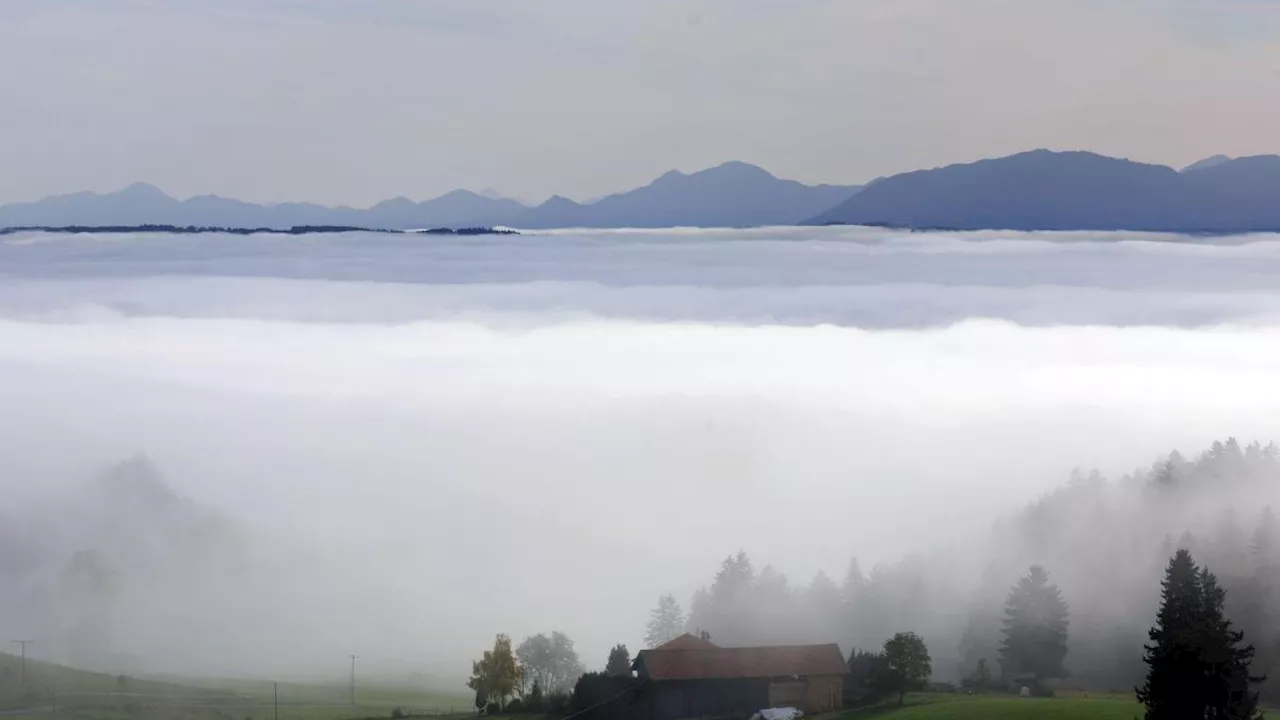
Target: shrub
x,y
557,704
859,685
600,696
492,708
515,707
980,678
398,713
1041,690
534,702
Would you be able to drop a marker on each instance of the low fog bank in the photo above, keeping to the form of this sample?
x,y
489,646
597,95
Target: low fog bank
x,y
797,276
875,306
404,492
315,468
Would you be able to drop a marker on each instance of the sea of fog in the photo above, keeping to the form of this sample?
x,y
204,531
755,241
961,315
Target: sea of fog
x,y
430,440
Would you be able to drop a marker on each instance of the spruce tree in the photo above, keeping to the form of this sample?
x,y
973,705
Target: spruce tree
x,y
1196,665
1035,629
666,622
1227,677
1174,686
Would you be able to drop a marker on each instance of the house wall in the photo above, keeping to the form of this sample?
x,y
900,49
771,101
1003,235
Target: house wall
x,y
789,693
677,699
826,693
680,699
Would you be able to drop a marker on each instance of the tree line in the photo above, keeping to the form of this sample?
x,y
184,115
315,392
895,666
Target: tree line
x,y
541,674
988,617
1105,541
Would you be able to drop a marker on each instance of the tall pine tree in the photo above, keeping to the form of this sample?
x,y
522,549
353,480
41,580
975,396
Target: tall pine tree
x,y
1227,677
1035,629
1173,689
1197,667
666,622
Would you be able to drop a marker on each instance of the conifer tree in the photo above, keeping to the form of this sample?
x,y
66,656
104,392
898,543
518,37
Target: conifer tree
x,y
1035,629
1196,664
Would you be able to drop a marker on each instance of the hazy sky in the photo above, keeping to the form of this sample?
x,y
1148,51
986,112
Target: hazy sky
x,y
346,101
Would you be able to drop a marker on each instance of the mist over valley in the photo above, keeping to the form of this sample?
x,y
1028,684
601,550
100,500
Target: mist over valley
x,y
285,450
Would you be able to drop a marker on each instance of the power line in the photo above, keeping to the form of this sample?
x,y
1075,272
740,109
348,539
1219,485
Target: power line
x,y
637,686
24,644
353,678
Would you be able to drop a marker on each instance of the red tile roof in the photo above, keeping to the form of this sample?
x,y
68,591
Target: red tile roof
x,y
729,663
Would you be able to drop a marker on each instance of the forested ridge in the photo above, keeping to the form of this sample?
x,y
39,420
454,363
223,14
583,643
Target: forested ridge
x,y
1103,542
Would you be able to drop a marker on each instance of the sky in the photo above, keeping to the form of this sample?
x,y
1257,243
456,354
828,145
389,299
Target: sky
x,y
346,102
537,433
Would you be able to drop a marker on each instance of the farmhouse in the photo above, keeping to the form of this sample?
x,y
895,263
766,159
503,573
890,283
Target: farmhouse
x,y
690,677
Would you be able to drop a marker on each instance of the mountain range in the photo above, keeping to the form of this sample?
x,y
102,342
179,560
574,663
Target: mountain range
x,y
1045,190
1036,190
734,194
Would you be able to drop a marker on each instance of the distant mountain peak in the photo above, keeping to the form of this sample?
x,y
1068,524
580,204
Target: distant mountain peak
x,y
1207,163
460,194
1255,160
559,201
732,194
143,190
734,169
1074,190
738,165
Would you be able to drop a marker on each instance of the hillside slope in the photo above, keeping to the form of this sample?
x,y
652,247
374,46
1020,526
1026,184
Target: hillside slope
x,y
1045,190
734,194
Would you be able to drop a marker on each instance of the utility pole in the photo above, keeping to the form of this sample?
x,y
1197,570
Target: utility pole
x,y
275,689
353,679
24,644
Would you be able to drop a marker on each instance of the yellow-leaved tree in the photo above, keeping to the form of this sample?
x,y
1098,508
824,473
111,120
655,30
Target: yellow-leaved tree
x,y
497,675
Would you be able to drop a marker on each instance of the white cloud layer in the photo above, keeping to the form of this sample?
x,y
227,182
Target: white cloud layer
x,y
576,423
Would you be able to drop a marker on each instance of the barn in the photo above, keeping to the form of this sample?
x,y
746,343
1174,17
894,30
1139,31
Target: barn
x,y
690,677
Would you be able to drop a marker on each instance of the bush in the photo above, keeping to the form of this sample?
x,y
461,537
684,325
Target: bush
x,y
398,713
859,685
980,678
944,687
600,696
515,707
557,704
492,709
1041,690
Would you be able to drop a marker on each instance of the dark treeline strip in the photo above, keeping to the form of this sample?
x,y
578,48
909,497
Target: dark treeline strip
x,y
203,229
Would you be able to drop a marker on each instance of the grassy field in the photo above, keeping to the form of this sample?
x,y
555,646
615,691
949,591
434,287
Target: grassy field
x,y
964,707
369,693
96,696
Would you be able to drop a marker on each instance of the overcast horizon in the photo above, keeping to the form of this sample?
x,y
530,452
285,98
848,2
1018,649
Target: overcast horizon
x,y
350,103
